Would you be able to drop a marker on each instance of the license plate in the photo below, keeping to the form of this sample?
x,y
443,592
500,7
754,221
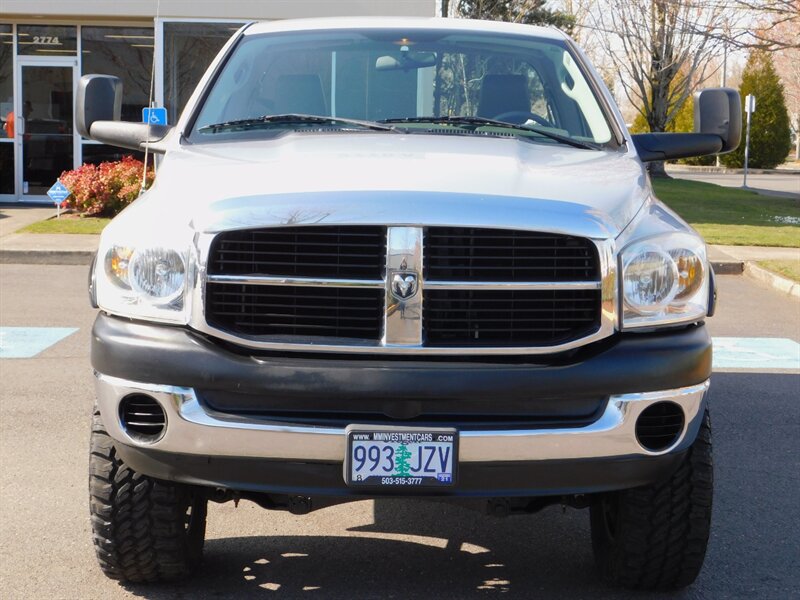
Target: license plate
x,y
398,457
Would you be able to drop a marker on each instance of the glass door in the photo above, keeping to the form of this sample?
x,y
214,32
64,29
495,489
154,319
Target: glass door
x,y
44,127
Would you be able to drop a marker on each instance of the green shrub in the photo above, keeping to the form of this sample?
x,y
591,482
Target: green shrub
x,y
104,190
770,137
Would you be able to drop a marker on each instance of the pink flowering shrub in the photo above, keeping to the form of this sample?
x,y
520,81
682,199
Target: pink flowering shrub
x,y
104,190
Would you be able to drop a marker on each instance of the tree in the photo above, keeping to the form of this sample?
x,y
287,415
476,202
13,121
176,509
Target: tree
x,y
663,50
776,17
529,12
770,138
787,64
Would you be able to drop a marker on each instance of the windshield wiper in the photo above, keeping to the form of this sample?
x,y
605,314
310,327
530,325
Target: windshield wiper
x,y
291,119
465,120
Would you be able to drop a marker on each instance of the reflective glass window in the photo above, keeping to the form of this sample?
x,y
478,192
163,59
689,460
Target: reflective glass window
x,y
6,109
126,52
47,40
188,50
100,153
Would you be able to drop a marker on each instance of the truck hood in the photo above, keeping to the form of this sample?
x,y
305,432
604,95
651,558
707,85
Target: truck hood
x,y
396,179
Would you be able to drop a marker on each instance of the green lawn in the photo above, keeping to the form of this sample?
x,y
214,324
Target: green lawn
x,y
787,268
731,216
67,225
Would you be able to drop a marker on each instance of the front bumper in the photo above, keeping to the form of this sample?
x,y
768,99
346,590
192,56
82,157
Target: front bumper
x,y
212,450
251,453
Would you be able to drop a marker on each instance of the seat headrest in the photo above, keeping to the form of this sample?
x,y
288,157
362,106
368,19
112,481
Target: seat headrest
x,y
503,93
300,93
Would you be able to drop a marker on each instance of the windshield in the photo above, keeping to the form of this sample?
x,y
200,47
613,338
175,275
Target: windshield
x,y
420,80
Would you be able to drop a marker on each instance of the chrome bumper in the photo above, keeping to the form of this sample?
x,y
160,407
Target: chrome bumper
x,y
192,430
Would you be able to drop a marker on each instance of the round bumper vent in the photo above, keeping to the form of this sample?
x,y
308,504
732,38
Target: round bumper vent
x,y
142,417
659,426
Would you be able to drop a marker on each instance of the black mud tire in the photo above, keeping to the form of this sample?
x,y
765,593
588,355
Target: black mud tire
x,y
655,537
144,529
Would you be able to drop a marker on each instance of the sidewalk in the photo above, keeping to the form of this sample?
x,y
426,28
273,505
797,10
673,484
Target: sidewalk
x,y
75,249
41,248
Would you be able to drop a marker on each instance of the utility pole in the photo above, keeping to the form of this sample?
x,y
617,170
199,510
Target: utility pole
x,y
750,108
724,77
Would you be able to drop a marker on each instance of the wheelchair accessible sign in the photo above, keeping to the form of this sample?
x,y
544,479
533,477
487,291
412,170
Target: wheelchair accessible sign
x,y
154,116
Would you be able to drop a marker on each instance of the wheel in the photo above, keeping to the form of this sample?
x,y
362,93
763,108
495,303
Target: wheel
x,y
520,116
144,529
655,537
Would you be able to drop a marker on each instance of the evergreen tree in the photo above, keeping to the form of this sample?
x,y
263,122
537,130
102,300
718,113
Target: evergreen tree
x,y
529,12
770,135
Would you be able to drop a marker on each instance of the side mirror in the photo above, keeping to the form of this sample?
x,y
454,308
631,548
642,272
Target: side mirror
x,y
99,99
719,111
717,126
98,107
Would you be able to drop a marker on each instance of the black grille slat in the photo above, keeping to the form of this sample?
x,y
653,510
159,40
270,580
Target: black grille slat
x,y
295,310
475,254
142,417
347,252
451,317
659,425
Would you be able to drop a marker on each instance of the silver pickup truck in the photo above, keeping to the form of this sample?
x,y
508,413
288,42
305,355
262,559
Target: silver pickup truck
x,y
416,258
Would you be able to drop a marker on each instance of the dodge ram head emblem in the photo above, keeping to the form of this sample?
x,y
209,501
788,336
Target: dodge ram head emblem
x,y
404,284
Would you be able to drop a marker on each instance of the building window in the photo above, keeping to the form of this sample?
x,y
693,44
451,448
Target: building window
x,y
6,110
127,53
47,40
188,50
100,153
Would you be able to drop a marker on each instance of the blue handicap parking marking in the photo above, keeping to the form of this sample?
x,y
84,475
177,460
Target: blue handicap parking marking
x,y
26,342
756,353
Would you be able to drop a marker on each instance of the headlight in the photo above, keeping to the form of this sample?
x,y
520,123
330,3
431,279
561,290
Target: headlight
x,y
664,281
148,282
157,274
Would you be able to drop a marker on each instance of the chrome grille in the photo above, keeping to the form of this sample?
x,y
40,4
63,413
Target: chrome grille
x,y
341,252
473,254
331,287
509,317
262,310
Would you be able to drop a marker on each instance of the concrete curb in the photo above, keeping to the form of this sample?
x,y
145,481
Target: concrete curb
x,y
46,257
728,267
775,281
727,171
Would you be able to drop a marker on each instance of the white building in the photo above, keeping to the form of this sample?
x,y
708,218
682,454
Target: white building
x,y
46,45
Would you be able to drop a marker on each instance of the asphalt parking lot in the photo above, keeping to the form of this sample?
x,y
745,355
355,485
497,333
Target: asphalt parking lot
x,y
771,184
387,549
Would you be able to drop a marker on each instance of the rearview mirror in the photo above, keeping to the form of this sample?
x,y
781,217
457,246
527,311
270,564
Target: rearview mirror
x,y
98,107
406,60
717,126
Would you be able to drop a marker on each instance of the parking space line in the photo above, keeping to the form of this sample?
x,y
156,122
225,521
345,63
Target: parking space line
x,y
756,353
27,342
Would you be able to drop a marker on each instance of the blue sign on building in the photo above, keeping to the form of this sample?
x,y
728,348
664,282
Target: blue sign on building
x,y
59,192
154,116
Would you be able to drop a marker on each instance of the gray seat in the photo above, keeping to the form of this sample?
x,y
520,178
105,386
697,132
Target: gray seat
x,y
503,93
301,93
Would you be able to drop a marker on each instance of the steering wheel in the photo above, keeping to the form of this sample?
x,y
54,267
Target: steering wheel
x,y
520,116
